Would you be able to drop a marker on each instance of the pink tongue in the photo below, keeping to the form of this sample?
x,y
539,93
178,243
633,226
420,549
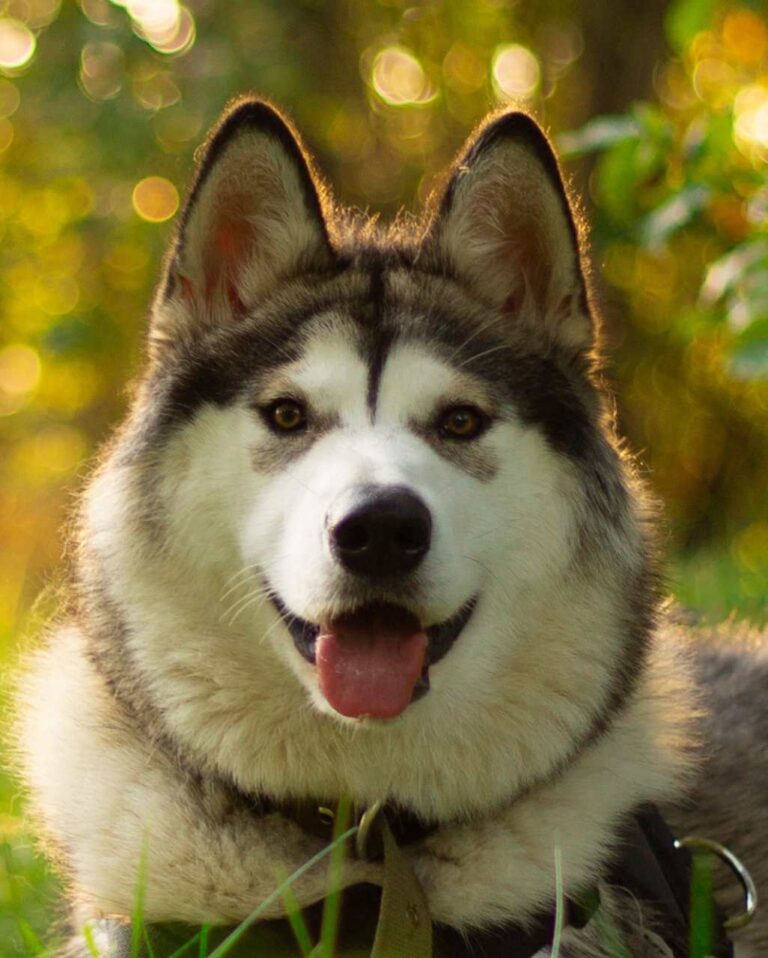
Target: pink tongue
x,y
368,663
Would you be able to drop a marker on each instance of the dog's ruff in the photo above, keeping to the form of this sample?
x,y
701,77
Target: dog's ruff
x,y
176,686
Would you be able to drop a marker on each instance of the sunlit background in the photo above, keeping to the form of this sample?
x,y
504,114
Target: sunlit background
x,y
660,111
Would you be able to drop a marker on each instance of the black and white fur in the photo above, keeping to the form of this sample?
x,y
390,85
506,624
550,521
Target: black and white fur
x,y
175,689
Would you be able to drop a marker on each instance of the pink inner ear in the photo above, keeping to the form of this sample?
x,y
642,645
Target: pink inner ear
x,y
529,261
515,241
230,248
187,290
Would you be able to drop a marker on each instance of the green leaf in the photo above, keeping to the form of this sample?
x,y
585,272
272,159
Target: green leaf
x,y
675,213
723,275
684,19
754,334
653,123
598,134
620,175
750,361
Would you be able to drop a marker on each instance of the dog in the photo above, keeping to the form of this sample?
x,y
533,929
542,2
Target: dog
x,y
368,533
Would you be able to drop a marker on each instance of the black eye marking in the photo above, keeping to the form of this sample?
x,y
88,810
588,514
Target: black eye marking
x,y
462,422
285,416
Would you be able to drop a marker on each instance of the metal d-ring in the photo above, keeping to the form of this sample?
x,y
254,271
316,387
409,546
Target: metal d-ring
x,y
367,821
736,866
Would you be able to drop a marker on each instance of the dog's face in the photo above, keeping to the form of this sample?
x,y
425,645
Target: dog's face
x,y
385,453
374,508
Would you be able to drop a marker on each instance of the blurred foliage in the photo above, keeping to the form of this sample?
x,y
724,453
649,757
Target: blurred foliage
x,y
102,104
681,190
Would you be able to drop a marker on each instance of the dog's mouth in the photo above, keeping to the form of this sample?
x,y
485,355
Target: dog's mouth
x,y
375,661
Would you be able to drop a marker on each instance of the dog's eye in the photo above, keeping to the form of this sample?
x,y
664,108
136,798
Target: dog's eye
x,y
463,422
286,415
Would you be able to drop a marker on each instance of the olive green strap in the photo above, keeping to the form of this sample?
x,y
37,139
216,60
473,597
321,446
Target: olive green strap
x,y
405,927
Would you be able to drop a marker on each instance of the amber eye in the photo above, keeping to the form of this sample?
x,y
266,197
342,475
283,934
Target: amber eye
x,y
286,415
462,422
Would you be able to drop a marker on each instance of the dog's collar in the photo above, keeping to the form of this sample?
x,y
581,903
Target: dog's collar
x,y
650,866
317,817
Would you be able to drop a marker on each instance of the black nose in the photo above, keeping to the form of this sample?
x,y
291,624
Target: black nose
x,y
387,532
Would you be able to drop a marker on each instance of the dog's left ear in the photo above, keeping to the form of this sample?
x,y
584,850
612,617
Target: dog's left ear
x,y
505,226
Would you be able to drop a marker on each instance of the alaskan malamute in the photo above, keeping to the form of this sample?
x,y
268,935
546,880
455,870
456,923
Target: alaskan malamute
x,y
367,534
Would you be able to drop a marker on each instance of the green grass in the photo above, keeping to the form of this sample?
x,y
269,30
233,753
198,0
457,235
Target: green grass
x,y
713,585
30,901
717,585
29,891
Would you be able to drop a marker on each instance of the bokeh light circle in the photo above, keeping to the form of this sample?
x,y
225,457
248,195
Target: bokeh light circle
x,y
181,39
101,70
516,72
60,448
155,199
17,44
398,78
751,117
157,18
19,369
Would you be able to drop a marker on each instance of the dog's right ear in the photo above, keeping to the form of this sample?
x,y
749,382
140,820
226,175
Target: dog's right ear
x,y
504,225
254,216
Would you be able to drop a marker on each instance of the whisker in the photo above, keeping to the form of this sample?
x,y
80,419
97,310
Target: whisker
x,y
299,482
271,629
485,352
483,566
243,600
495,321
241,576
259,599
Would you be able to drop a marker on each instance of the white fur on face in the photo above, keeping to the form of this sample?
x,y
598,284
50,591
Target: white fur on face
x,y
518,520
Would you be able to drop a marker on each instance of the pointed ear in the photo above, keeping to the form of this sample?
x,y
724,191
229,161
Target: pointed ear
x,y
253,217
504,226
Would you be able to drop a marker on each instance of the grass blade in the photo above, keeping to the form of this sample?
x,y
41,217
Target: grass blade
x,y
332,905
137,918
31,940
296,920
559,900
185,947
228,944
91,941
148,944
702,910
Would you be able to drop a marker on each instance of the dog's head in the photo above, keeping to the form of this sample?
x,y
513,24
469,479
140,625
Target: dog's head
x,y
380,450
